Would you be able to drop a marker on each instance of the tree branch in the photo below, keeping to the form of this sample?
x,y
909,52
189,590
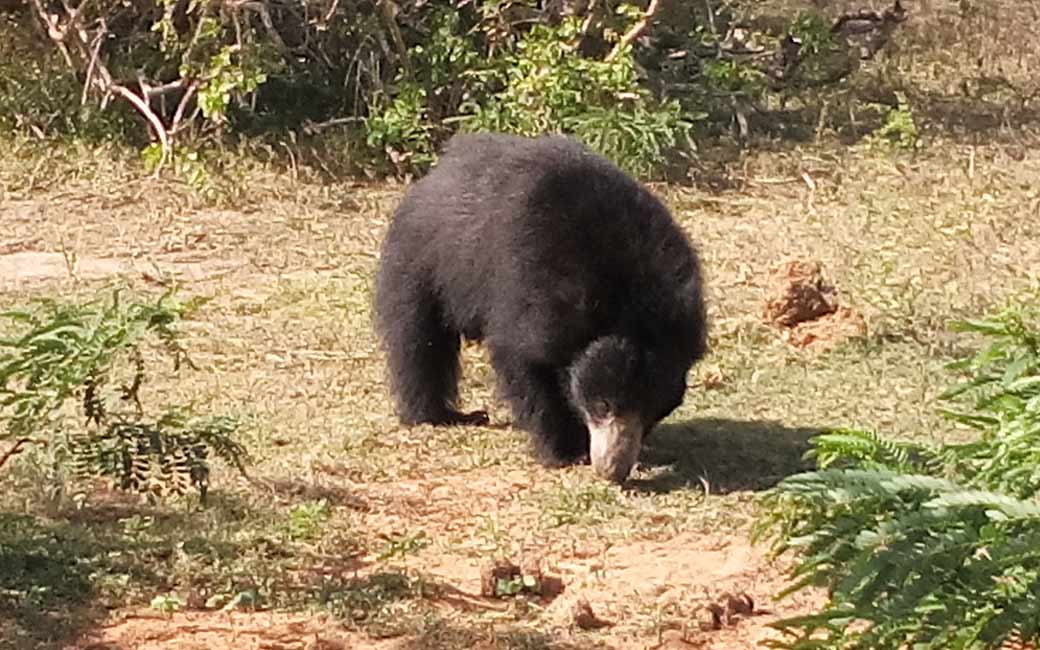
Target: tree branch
x,y
84,56
388,14
634,32
17,449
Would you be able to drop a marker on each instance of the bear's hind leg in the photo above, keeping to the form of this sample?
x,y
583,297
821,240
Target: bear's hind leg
x,y
540,407
423,357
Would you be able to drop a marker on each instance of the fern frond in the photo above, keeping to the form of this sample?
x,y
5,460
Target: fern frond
x,y
73,352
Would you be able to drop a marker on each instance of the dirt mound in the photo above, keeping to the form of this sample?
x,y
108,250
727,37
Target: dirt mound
x,y
827,332
802,301
798,293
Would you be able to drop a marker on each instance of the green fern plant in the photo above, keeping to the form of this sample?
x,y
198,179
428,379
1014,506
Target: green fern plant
x,y
925,547
71,376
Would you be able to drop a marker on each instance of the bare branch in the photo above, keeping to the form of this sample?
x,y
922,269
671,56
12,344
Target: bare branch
x,y
84,57
635,31
146,111
17,448
311,128
182,106
260,8
388,14
590,18
95,50
331,12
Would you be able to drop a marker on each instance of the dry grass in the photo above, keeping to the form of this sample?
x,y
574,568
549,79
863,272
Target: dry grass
x,y
385,529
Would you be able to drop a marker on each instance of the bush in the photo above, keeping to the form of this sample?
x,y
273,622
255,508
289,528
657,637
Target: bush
x,y
41,96
926,546
71,377
628,78
536,85
547,88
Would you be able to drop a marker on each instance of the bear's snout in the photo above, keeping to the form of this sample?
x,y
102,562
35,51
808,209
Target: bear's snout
x,y
614,445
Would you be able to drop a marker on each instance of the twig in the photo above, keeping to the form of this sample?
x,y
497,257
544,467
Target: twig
x,y
634,32
95,50
261,10
711,18
590,17
148,114
97,74
585,31
17,449
310,128
388,14
331,12
185,100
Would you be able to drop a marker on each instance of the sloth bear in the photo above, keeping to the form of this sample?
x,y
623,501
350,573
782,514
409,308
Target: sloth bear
x,y
586,293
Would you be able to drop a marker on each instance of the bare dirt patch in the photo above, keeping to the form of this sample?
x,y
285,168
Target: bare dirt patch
x,y
698,593
218,630
680,581
27,266
17,270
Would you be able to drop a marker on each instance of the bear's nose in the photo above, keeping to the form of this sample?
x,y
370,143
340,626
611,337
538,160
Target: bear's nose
x,y
616,473
614,445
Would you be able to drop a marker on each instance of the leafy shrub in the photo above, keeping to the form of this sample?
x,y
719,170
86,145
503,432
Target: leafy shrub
x,y
926,546
402,76
71,377
899,128
547,88
39,95
402,130
537,84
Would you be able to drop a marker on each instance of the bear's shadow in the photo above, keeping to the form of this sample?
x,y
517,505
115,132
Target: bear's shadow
x,y
722,455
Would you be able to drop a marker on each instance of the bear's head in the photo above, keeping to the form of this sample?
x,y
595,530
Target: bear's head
x,y
621,390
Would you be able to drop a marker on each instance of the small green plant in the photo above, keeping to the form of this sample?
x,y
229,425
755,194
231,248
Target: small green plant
x,y
229,73
91,358
402,546
167,604
306,520
589,504
900,128
813,33
921,546
401,129
137,527
512,586
188,165
734,77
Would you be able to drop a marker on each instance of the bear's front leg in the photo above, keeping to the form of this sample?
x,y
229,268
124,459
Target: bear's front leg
x,y
538,402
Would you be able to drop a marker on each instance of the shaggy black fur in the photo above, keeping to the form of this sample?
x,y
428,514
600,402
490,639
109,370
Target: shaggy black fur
x,y
585,291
